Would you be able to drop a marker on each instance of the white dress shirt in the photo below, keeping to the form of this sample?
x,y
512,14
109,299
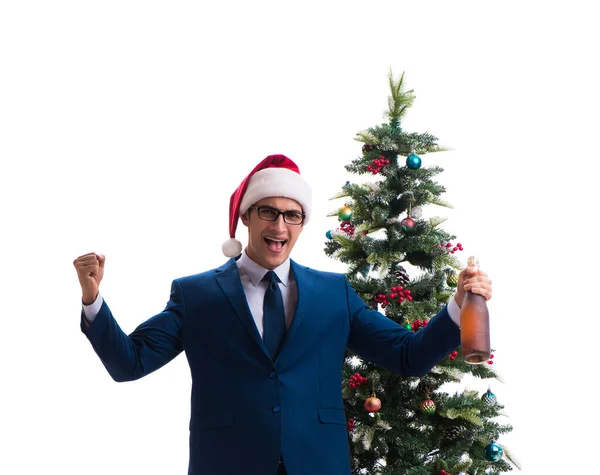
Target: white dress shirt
x,y
255,289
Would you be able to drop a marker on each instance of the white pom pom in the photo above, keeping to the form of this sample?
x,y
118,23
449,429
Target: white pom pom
x,y
232,248
417,212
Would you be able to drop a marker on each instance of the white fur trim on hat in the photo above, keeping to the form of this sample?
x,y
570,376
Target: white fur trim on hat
x,y
277,182
232,247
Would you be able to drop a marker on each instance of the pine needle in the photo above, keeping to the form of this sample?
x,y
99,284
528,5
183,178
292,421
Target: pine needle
x,y
469,414
435,221
511,457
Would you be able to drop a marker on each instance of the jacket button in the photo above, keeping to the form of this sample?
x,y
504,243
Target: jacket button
x,y
276,408
272,375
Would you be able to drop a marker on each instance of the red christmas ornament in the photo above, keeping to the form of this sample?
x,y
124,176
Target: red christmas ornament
x,y
407,224
372,404
427,406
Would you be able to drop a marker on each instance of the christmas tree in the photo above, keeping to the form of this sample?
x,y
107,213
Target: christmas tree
x,y
407,425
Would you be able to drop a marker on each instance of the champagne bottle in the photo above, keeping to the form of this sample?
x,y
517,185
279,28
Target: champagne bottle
x,y
474,326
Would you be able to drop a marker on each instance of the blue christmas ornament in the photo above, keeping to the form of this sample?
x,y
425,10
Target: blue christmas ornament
x,y
413,161
329,235
489,398
493,452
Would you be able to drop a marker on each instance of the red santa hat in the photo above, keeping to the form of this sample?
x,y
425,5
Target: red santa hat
x,y
275,176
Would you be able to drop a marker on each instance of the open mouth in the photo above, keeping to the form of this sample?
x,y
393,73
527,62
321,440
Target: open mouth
x,y
275,245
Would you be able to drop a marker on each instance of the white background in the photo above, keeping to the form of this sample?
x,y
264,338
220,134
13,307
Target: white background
x,y
125,127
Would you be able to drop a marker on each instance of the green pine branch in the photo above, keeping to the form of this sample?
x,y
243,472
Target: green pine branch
x,y
399,99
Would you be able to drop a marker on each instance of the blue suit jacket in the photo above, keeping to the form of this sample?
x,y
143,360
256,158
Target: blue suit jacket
x,y
291,407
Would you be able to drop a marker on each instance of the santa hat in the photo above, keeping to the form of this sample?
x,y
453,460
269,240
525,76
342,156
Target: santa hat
x,y
275,176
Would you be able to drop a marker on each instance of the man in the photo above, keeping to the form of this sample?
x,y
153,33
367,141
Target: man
x,y
266,348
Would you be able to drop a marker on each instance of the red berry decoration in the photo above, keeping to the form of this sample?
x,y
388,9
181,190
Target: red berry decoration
x,y
453,355
400,294
382,299
378,164
450,248
418,324
347,227
372,404
350,424
397,293
356,380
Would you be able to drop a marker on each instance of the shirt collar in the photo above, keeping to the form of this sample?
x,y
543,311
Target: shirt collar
x,y
256,272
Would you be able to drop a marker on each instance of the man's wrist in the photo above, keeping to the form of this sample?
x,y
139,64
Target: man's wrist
x,y
454,311
89,298
90,311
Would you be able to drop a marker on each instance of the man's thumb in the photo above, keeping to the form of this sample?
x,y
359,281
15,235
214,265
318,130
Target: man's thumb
x,y
101,259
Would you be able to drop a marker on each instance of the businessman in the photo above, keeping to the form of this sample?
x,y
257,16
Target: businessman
x,y
265,339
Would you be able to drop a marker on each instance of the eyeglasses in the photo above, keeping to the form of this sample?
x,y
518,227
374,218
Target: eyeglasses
x,y
266,213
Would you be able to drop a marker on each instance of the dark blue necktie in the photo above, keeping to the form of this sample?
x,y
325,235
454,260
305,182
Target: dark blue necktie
x,y
273,316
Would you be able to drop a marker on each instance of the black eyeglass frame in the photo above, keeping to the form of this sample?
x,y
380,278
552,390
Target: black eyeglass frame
x,y
279,212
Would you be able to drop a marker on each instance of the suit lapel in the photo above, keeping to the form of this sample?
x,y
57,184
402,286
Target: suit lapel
x,y
228,278
305,282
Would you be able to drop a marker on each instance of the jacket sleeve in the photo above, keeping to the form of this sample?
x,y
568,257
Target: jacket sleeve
x,y
384,342
151,345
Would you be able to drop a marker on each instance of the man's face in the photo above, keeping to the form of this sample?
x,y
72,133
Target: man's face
x,y
270,242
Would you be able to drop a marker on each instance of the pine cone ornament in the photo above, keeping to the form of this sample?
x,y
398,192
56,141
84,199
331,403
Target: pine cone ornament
x,y
425,387
401,274
451,432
